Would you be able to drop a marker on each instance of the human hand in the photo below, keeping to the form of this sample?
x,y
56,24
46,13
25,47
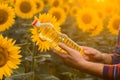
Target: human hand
x,y
92,54
72,57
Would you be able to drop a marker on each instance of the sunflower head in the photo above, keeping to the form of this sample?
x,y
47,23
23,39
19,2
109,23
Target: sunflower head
x,y
56,3
9,56
25,8
66,8
39,5
111,8
3,16
87,18
7,16
96,29
41,43
58,13
3,57
47,3
114,24
74,10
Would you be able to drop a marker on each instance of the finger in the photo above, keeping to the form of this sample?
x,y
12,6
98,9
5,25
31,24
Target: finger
x,y
86,58
60,54
84,47
69,50
64,47
88,52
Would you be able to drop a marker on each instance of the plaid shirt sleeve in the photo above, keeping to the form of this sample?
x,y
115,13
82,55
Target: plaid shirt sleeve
x,y
112,72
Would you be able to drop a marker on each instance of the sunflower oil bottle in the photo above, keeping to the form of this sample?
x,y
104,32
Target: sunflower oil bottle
x,y
47,32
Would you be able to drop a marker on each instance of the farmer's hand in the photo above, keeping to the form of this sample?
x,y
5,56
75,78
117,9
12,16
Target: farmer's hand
x,y
72,58
94,55
76,60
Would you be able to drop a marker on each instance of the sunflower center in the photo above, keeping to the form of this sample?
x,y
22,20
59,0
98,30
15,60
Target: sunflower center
x,y
109,10
56,3
86,19
46,2
3,16
65,9
25,7
3,57
116,24
14,1
100,14
57,15
74,11
38,5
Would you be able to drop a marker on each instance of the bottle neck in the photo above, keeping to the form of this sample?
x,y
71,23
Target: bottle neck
x,y
37,23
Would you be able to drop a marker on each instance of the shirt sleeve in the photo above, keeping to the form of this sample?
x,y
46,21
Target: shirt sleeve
x,y
115,59
111,72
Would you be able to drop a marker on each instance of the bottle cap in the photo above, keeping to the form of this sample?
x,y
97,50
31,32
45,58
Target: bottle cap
x,y
34,22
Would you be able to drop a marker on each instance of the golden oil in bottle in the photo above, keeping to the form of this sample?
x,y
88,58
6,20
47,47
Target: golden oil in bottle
x,y
47,32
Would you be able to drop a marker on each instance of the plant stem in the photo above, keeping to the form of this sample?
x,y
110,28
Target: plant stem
x,y
33,61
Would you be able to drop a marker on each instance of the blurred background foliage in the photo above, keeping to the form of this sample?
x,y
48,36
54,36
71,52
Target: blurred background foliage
x,y
46,65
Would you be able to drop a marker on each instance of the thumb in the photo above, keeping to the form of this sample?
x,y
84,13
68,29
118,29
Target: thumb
x,y
87,52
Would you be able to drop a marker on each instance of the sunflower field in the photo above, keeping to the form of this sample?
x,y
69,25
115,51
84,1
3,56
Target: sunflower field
x,y
25,56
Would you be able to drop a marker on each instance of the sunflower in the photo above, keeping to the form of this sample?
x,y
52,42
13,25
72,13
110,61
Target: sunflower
x,y
74,10
66,8
43,44
47,3
25,8
87,18
56,3
98,6
101,13
40,5
58,13
96,30
9,56
7,16
111,8
114,24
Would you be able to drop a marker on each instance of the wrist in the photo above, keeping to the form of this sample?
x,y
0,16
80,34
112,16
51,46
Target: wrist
x,y
106,58
103,58
92,68
82,64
